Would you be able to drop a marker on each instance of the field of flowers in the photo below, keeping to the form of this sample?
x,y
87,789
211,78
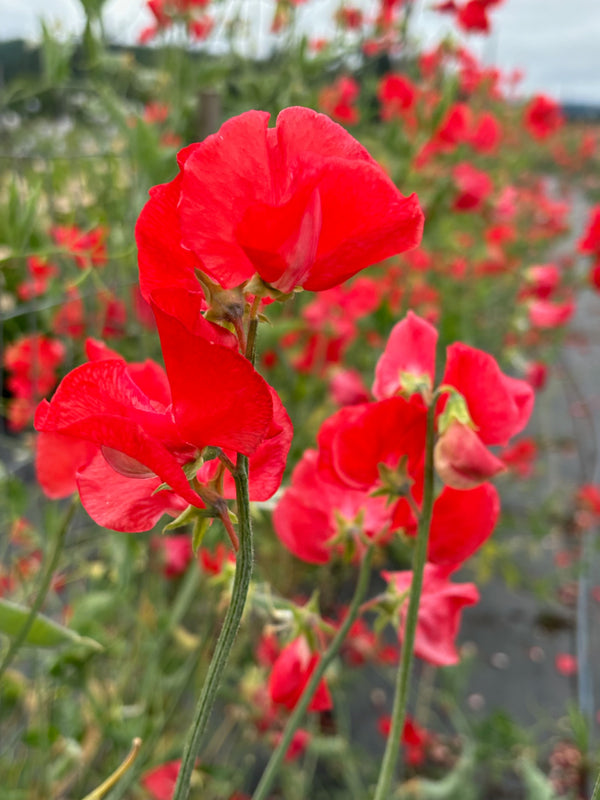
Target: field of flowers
x,y
299,486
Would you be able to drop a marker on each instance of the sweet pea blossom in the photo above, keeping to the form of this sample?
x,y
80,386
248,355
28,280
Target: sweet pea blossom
x,y
117,431
301,204
440,609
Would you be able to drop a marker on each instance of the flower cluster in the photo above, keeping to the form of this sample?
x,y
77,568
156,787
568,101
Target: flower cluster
x,y
166,13
366,481
254,212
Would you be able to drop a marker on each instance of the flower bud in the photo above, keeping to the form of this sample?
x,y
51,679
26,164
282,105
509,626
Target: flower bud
x,y
462,460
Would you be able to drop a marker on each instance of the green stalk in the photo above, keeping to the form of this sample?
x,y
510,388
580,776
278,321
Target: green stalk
x,y
294,721
49,569
390,757
596,792
241,583
233,618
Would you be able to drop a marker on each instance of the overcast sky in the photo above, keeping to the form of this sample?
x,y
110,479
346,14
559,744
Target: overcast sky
x,y
556,43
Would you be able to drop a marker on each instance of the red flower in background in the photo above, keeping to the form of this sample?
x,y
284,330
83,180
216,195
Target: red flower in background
x,y
548,314
543,117
160,781
349,18
347,388
338,100
485,134
590,240
413,737
473,187
397,95
176,553
520,457
472,17
291,672
88,249
301,204
40,271
31,363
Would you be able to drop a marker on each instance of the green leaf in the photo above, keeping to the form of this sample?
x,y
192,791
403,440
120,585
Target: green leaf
x,y
44,631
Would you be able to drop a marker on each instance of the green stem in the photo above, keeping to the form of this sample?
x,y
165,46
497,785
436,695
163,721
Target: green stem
x,y
51,565
233,618
294,721
390,757
596,792
241,583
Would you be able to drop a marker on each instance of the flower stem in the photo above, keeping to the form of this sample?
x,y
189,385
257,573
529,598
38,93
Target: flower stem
x,y
596,792
390,757
46,581
295,718
241,583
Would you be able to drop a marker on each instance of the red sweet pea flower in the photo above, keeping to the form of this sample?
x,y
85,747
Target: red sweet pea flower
x,y
331,323
473,17
413,736
461,458
31,363
160,781
543,279
301,204
462,521
347,388
88,249
338,100
473,187
298,745
520,457
267,464
176,552
536,375
543,117
409,356
40,271
546,314
290,674
315,518
145,425
397,95
590,241
356,441
566,664
439,612
349,17
499,406
485,134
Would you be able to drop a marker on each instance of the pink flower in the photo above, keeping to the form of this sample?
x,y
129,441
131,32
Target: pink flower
x,y
160,781
566,664
439,612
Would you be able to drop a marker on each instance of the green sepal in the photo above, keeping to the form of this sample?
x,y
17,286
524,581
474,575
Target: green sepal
x,y
201,525
456,410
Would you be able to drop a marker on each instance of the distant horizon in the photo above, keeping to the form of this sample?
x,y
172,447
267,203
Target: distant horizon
x,y
562,57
